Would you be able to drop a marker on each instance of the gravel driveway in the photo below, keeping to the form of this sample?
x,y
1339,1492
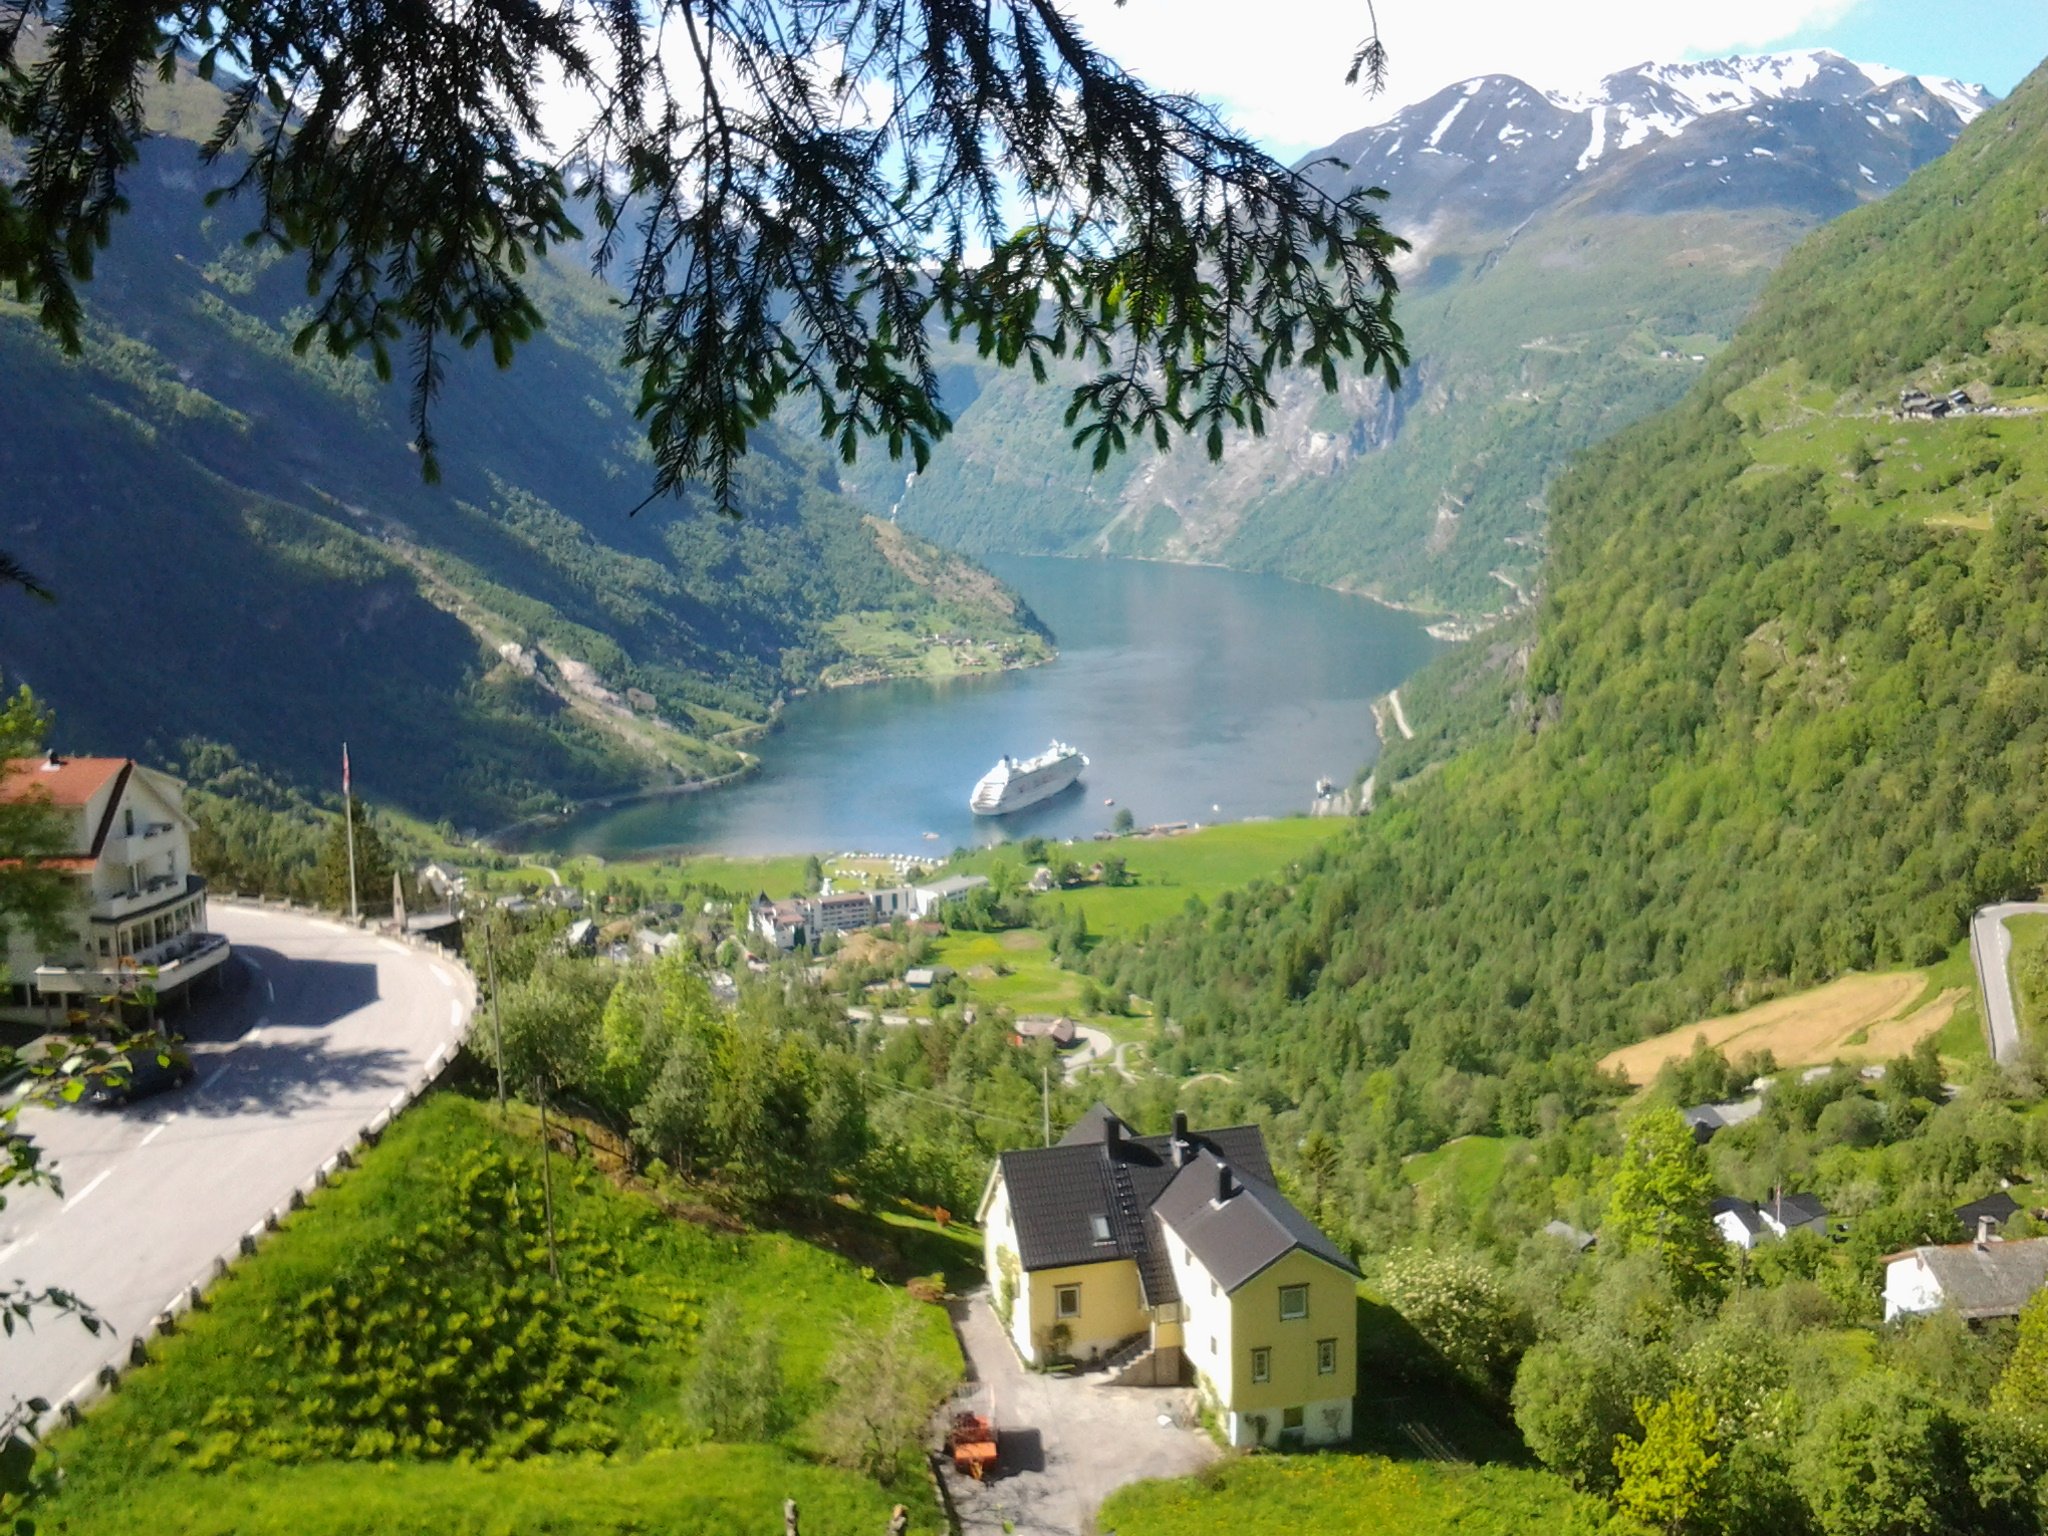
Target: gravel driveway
x,y
1065,1442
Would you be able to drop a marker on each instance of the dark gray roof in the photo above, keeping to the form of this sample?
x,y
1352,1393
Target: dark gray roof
x,y
1994,1280
1057,1192
1238,1237
1999,1205
1794,1210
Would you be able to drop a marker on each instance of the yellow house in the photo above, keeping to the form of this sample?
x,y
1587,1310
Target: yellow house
x,y
1168,1259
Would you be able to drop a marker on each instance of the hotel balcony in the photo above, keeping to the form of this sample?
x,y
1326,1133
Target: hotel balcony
x,y
175,963
147,895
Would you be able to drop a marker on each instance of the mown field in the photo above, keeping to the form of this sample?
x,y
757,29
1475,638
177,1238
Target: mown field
x,y
398,1359
1859,1018
1337,1495
1166,872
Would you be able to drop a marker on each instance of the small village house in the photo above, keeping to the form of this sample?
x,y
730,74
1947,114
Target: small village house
x,y
136,904
1979,1280
1745,1223
1173,1259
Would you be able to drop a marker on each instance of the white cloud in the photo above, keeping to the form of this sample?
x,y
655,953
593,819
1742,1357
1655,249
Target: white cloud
x,y
1277,66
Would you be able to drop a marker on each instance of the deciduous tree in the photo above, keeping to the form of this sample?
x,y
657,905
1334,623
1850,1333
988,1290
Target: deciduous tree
x,y
1660,1202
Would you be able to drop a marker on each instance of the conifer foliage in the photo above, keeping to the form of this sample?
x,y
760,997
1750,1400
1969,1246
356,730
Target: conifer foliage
x,y
796,196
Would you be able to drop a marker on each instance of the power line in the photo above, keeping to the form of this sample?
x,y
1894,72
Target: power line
x,y
953,1104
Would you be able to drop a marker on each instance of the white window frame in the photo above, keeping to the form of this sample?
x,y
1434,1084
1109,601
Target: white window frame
x,y
1300,1419
1300,1291
1326,1351
1262,1364
1066,1301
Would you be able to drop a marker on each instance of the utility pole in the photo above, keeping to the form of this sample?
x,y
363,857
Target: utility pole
x,y
348,813
497,1022
547,1177
1045,1102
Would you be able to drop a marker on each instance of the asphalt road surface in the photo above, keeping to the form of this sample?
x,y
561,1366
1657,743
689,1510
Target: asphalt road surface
x,y
1991,948
317,1028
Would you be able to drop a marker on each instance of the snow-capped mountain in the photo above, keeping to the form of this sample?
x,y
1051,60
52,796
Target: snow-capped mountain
x,y
1577,258
1811,130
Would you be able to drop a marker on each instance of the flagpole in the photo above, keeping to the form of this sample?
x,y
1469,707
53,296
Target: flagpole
x,y
348,811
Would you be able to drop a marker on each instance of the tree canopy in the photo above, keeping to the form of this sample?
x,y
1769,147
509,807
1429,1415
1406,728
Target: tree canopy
x,y
795,195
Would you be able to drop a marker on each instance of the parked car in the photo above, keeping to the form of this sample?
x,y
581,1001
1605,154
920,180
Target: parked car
x,y
140,1073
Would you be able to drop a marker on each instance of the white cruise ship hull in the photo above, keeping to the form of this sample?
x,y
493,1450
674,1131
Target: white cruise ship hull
x,y
1012,787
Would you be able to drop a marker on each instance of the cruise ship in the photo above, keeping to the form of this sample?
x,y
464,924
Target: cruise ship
x,y
1011,785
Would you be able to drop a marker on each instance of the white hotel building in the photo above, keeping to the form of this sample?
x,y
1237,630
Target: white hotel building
x,y
137,907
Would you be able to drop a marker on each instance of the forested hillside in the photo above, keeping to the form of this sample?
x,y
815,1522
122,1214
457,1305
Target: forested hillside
x,y
1785,712
1575,262
243,550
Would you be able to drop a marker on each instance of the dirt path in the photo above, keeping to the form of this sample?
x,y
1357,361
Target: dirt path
x,y
1400,717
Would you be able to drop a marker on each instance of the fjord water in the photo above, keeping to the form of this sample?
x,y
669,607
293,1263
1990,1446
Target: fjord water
x,y
1198,694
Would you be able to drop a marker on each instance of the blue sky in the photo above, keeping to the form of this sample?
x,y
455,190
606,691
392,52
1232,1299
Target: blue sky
x,y
1987,42
1277,66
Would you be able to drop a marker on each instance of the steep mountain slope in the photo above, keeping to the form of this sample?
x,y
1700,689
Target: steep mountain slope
x,y
1784,714
1575,261
244,551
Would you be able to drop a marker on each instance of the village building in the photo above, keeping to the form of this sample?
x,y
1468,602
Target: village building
x,y
1170,1259
1707,1120
1744,1223
931,897
1979,1280
1044,1026
1996,1208
841,912
782,923
137,909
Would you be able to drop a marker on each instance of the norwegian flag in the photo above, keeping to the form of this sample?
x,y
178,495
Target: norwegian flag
x,y
344,770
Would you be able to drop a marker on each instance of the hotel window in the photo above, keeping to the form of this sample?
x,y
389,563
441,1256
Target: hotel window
x,y
1066,1301
1326,1357
1293,1303
1262,1365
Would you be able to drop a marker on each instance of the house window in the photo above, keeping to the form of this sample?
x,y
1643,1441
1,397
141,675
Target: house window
x,y
1293,1302
1262,1365
1212,1287
1326,1357
1290,1418
1066,1301
1187,1256
1212,1343
1100,1226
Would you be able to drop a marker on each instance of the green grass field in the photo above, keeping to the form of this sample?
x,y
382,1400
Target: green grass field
x,y
1034,984
398,1360
1166,871
1342,1495
1461,1172
1877,468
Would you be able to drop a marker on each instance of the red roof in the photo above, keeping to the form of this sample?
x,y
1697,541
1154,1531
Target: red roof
x,y
70,781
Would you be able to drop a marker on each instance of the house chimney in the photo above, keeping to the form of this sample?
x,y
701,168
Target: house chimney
x,y
1113,1134
51,759
1983,1233
1225,1185
1180,1139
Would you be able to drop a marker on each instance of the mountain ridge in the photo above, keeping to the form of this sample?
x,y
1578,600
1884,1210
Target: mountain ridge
x,y
1545,307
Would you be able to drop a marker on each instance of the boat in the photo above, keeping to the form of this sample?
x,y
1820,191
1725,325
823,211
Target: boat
x,y
1011,785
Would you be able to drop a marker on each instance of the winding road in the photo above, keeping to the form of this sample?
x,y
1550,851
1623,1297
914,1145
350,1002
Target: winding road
x,y
1991,950
319,1029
